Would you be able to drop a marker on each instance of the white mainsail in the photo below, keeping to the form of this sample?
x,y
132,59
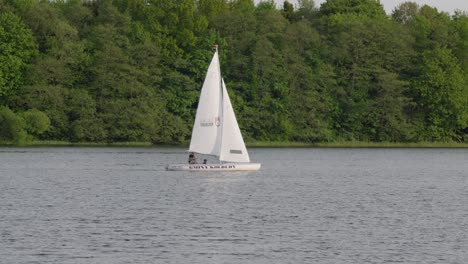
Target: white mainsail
x,y
206,133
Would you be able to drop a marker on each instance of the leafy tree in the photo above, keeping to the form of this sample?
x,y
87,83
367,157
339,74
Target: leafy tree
x,y
365,52
211,8
311,103
12,128
441,94
36,122
288,11
85,126
243,6
430,28
405,12
370,8
386,119
48,99
438,76
459,39
306,9
17,47
238,27
63,60
78,14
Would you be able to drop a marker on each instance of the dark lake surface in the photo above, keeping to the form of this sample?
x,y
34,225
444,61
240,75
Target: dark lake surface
x,y
119,205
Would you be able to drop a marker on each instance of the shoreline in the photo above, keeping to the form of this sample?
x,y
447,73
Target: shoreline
x,y
256,144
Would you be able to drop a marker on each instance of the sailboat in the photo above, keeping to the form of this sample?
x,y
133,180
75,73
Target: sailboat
x,y
215,131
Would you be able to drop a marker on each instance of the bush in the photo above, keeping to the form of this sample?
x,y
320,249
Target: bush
x,y
36,122
11,126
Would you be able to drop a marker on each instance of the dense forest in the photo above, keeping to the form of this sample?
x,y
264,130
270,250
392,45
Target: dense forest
x,y
131,70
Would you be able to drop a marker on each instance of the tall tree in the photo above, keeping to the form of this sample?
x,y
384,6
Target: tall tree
x,y
212,8
368,52
307,9
310,83
371,8
17,48
459,36
288,11
441,94
405,12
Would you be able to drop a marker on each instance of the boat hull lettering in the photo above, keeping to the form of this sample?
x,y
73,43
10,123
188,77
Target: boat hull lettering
x,y
215,167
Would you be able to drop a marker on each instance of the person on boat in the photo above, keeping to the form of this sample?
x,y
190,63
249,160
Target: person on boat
x,y
192,159
204,161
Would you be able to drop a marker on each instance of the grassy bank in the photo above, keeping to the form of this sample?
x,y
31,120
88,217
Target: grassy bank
x,y
255,144
53,143
359,144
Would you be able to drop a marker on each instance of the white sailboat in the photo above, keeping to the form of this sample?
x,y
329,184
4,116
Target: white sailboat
x,y
215,131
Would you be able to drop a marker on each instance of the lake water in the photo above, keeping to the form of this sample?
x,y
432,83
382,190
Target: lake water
x,y
119,205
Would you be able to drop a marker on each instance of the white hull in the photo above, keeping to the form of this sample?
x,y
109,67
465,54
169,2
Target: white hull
x,y
214,167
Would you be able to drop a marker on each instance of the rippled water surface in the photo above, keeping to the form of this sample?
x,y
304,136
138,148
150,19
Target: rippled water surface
x,y
119,205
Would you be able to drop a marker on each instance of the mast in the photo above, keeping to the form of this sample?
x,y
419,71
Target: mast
x,y
221,94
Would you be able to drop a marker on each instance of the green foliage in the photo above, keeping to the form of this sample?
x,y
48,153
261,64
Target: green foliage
x,y
211,8
405,12
370,55
12,126
459,39
131,70
288,11
307,9
49,99
23,126
36,122
370,8
442,95
17,47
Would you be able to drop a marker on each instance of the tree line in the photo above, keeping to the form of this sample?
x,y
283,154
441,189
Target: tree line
x,y
131,70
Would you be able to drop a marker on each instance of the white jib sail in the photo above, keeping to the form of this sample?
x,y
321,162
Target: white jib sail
x,y
206,133
232,144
